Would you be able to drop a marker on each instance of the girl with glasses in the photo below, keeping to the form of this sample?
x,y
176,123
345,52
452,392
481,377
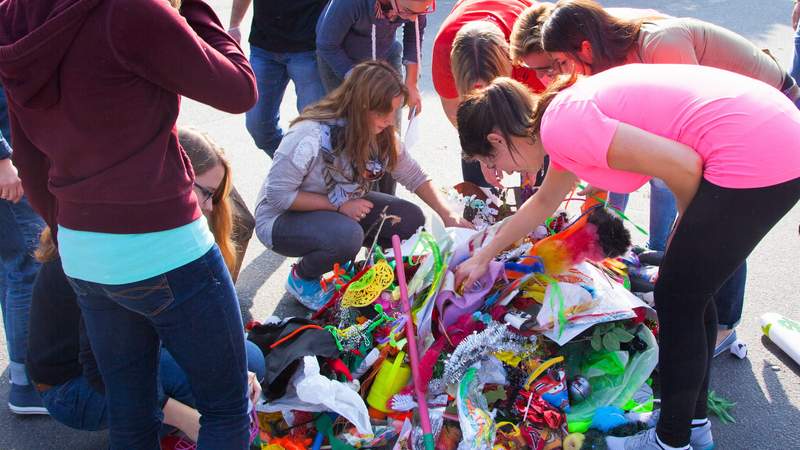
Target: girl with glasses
x,y
230,221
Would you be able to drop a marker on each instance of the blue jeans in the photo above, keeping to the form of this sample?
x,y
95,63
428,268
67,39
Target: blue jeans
x,y
324,238
77,405
729,299
20,227
795,73
273,72
5,127
194,312
662,212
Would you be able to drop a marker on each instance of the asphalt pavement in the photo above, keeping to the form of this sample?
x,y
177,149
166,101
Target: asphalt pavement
x,y
765,386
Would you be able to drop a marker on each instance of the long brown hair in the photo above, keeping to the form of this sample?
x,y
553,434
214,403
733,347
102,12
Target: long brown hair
x,y
205,154
370,87
506,107
480,53
572,22
526,35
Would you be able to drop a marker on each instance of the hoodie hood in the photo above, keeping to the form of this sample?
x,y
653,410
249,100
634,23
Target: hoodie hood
x,y
34,37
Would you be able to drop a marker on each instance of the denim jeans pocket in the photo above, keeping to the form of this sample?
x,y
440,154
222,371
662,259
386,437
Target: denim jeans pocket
x,y
148,297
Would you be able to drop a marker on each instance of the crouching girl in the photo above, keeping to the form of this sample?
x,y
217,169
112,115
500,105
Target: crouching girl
x,y
316,202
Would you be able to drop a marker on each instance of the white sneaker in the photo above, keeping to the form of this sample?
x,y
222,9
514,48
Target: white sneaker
x,y
646,440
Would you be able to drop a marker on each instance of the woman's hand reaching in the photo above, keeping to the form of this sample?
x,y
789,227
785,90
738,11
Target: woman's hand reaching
x,y
470,271
253,388
455,220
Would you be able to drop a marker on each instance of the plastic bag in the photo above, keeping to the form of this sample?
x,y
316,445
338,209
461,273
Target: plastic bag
x,y
477,423
310,391
570,309
616,390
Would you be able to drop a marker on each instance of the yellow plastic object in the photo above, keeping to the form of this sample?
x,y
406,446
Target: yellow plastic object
x,y
574,441
366,289
544,366
391,379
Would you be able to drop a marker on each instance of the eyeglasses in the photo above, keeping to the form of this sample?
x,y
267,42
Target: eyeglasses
x,y
207,193
555,68
405,11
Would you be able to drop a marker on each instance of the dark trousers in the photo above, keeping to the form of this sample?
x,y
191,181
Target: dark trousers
x,y
324,238
194,312
718,231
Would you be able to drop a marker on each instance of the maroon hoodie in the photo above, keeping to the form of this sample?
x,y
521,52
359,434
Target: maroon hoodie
x,y
94,91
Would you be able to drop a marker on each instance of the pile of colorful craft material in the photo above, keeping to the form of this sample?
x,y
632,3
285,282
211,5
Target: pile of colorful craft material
x,y
549,350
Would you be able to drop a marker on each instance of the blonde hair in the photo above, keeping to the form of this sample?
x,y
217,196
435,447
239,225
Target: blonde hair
x,y
526,36
371,87
480,53
205,154
46,251
175,3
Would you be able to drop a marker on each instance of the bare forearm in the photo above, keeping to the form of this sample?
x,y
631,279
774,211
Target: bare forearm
x,y
431,196
238,11
182,417
684,188
532,213
412,75
450,107
309,201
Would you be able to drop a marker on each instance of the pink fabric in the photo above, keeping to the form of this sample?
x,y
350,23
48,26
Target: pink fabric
x,y
746,132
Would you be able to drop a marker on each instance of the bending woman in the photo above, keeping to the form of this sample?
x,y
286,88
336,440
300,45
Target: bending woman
x,y
229,220
98,155
719,142
470,50
581,36
316,201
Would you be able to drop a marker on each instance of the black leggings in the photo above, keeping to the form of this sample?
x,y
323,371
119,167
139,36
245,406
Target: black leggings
x,y
718,231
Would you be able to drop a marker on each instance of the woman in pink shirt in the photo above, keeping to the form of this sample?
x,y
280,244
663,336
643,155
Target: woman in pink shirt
x,y
581,36
726,145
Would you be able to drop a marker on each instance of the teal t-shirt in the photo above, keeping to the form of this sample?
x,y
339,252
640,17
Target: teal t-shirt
x,y
108,258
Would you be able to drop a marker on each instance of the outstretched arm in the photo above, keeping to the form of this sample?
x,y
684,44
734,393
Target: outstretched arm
x,y
556,185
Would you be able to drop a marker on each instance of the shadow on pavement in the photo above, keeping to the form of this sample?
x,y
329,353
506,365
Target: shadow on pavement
x,y
769,422
253,276
781,355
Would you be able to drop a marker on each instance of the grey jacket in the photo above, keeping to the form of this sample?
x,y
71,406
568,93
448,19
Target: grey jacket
x,y
298,166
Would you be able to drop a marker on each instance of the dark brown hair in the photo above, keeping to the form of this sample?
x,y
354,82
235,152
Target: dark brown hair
x,y
573,21
504,106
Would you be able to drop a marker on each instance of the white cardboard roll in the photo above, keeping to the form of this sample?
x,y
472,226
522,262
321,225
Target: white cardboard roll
x,y
784,332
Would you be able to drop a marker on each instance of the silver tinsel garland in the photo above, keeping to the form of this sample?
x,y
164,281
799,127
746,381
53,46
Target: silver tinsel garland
x,y
477,346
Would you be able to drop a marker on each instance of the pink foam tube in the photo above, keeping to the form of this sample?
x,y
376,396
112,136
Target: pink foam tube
x,y
413,351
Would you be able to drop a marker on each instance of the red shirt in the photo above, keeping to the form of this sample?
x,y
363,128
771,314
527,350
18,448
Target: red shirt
x,y
503,13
